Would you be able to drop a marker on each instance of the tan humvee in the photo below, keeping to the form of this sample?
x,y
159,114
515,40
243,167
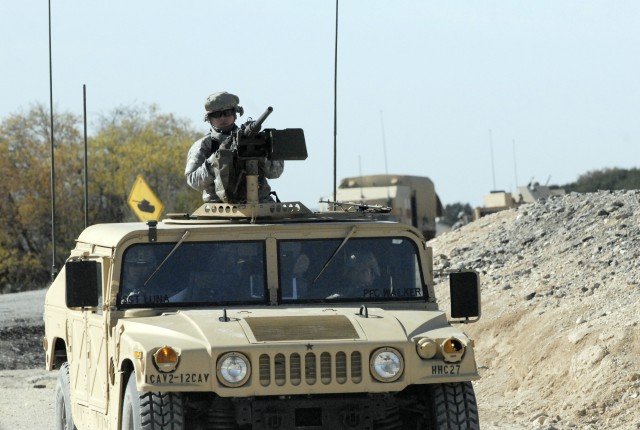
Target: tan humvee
x,y
498,201
411,199
259,316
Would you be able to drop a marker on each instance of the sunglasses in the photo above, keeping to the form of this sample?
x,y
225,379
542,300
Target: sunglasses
x,y
221,113
364,270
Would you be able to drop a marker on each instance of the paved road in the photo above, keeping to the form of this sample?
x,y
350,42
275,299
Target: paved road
x,y
21,306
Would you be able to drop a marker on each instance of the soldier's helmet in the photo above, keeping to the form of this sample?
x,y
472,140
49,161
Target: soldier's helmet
x,y
140,256
222,100
362,268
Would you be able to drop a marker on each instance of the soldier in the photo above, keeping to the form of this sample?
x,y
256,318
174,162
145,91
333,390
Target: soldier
x,y
360,272
211,165
139,264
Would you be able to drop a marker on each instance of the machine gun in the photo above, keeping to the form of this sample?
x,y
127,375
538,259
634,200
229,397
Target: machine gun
x,y
252,145
357,207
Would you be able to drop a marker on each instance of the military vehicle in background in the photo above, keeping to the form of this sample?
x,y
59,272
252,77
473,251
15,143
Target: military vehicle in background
x,y
498,201
411,199
260,316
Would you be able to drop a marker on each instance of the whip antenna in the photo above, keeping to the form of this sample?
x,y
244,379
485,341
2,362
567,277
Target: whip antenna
x,y
493,169
384,152
335,112
86,166
515,165
54,269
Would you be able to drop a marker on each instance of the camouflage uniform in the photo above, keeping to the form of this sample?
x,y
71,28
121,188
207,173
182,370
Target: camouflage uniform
x,y
213,169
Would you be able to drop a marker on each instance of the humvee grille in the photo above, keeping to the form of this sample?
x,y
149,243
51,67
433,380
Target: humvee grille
x,y
280,370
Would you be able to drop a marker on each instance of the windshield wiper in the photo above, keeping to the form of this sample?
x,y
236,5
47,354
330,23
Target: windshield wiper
x,y
184,236
344,241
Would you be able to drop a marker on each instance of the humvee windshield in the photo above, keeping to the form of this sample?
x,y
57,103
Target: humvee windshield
x,y
157,275
234,273
375,269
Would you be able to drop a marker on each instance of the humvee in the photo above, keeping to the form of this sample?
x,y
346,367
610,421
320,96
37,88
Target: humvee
x,y
497,201
259,316
411,199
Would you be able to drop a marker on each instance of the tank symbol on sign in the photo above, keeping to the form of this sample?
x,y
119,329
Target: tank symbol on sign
x,y
145,206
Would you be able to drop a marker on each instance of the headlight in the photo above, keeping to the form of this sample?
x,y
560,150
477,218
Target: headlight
x,y
386,364
166,359
452,350
233,369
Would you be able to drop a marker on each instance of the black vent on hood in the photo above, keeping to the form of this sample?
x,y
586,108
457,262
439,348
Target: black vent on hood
x,y
267,329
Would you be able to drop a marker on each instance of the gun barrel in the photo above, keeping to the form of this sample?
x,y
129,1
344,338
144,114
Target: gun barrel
x,y
264,116
251,128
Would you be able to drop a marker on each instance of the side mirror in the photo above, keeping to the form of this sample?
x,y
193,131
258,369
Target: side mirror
x,y
82,284
464,290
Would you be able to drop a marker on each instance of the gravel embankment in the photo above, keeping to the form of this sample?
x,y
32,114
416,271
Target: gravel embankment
x,y
559,339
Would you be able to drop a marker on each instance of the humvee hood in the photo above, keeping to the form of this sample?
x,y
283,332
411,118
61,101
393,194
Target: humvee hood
x,y
208,327
189,329
348,324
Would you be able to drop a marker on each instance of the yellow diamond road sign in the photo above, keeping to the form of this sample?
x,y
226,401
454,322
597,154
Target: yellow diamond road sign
x,y
144,202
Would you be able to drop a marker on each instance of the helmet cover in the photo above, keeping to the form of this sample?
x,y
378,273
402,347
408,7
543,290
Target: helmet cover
x,y
220,101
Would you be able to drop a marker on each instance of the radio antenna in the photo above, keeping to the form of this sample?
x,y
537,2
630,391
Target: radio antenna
x,y
335,113
361,186
515,164
86,167
384,153
384,145
493,169
54,269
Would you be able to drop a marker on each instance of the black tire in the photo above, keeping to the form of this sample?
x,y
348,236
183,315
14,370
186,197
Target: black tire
x,y
454,406
151,410
64,420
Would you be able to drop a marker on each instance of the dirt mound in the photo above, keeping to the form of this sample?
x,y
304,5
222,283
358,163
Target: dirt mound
x,y
558,343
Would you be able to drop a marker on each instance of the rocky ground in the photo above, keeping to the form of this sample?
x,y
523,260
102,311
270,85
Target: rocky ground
x,y
558,343
26,389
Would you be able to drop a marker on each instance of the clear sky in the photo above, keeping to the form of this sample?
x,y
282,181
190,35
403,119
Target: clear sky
x,y
551,88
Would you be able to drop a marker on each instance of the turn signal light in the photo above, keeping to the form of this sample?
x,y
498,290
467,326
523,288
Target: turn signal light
x,y
166,359
452,350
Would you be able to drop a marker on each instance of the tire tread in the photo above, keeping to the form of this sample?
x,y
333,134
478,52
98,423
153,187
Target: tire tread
x,y
455,406
161,411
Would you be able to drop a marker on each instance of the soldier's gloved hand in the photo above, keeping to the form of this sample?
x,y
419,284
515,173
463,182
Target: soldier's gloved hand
x,y
211,160
219,158
226,144
251,128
